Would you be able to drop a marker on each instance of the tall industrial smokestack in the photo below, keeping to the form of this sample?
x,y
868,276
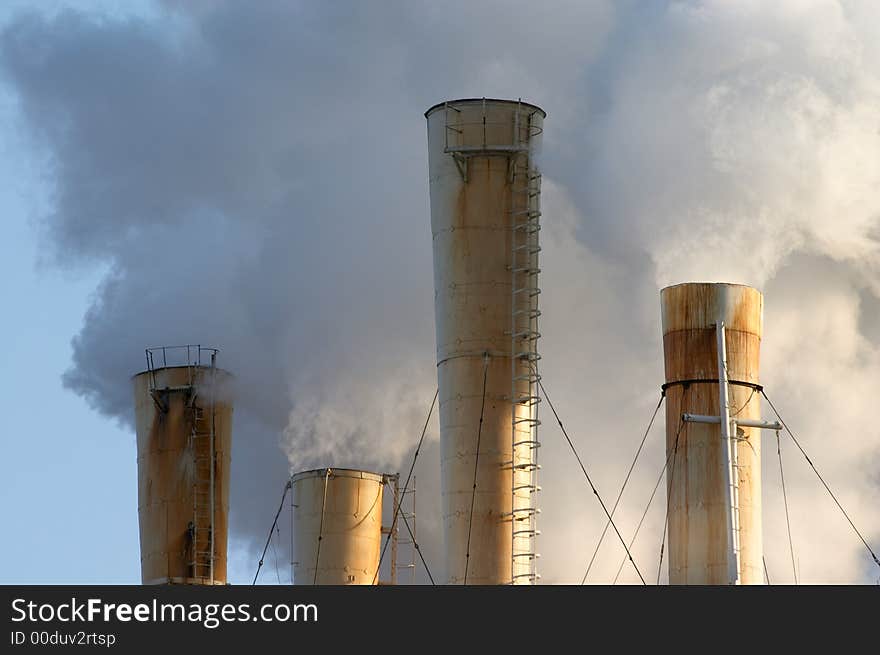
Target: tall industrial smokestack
x,y
485,218
714,483
337,526
184,441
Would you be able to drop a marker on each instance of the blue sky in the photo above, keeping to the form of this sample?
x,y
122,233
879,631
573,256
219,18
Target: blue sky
x,y
67,475
68,485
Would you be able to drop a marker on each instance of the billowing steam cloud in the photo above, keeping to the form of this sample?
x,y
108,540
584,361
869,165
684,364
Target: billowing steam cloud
x,y
255,175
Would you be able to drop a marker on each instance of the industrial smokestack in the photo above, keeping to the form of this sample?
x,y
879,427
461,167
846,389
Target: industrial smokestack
x,y
485,218
184,443
714,483
337,526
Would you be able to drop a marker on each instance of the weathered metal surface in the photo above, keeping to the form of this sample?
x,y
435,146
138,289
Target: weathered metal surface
x,y
166,470
695,481
471,228
344,508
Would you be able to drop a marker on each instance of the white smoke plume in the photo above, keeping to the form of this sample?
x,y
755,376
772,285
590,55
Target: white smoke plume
x,y
255,176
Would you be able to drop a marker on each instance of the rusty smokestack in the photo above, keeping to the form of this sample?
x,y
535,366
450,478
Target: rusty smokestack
x,y
184,436
485,218
705,496
337,526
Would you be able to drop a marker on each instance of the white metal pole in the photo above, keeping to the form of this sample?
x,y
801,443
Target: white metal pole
x,y
290,487
744,422
729,455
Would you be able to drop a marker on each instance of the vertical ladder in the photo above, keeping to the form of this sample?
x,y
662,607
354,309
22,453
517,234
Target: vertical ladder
x,y
202,417
407,540
525,185
399,498
729,452
395,528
